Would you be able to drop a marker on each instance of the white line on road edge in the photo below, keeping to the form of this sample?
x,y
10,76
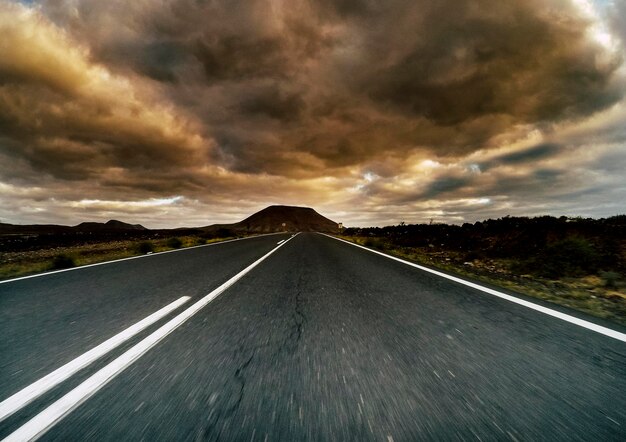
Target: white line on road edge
x,y
52,272
548,311
45,420
36,389
281,241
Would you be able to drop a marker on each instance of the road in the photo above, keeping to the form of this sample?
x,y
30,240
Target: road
x,y
317,341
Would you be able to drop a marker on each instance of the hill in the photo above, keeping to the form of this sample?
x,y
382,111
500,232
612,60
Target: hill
x,y
281,219
49,229
112,224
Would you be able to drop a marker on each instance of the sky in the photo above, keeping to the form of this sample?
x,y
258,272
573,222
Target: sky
x,y
174,113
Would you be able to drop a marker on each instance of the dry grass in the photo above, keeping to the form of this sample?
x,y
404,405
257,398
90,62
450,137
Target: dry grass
x,y
15,264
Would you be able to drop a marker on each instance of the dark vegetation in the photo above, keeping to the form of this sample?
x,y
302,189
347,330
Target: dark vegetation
x,y
576,262
24,253
62,262
174,243
21,242
543,246
145,247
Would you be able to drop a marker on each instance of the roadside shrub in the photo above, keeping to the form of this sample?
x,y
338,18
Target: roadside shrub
x,y
609,279
174,243
63,262
375,243
609,249
145,247
568,257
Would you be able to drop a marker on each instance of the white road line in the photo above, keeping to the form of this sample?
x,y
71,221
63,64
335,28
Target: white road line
x,y
281,241
45,420
548,311
133,257
36,389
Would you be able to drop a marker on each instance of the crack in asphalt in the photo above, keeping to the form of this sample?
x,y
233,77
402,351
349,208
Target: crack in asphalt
x,y
212,432
299,319
288,345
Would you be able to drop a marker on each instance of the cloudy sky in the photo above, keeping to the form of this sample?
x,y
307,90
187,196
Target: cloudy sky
x,y
188,112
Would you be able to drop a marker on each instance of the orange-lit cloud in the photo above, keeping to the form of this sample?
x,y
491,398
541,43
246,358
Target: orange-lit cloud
x,y
184,113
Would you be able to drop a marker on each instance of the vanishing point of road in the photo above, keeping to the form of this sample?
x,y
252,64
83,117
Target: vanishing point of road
x,y
297,337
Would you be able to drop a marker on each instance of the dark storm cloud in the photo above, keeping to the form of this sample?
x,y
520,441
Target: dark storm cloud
x,y
464,63
272,102
539,182
532,154
444,76
234,58
443,185
160,60
72,119
202,97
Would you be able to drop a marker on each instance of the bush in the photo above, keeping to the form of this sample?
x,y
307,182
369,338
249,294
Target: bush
x,y
63,262
609,249
610,279
374,243
145,247
568,257
174,243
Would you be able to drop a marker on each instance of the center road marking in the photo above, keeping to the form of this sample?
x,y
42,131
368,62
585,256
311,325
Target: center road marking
x,y
42,422
36,389
548,311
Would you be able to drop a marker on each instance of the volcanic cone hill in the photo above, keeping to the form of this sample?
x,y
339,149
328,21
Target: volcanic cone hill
x,y
282,219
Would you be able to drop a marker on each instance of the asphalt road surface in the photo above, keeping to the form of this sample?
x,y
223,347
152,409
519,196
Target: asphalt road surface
x,y
287,338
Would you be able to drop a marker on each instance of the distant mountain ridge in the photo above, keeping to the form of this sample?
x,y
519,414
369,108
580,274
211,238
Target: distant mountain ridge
x,y
112,224
281,219
269,220
109,226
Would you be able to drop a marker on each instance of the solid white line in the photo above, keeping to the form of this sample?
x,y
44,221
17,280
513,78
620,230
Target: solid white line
x,y
281,241
36,389
134,257
548,311
43,421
